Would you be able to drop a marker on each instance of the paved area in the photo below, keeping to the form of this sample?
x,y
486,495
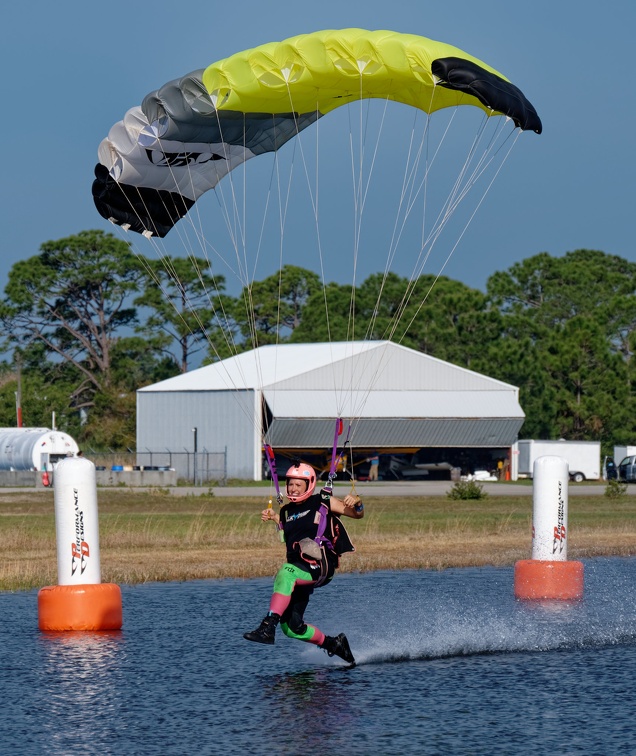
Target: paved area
x,y
380,488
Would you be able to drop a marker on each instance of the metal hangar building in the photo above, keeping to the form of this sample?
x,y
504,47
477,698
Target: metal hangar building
x,y
400,403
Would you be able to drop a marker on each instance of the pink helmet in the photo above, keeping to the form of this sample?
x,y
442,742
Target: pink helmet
x,y
302,472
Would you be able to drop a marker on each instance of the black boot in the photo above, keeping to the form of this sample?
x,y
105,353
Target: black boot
x,y
266,632
338,646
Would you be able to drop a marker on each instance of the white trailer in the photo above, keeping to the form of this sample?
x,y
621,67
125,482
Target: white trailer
x,y
34,448
620,452
583,457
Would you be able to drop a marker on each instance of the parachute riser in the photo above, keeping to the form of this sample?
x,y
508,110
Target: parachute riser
x,y
335,457
271,462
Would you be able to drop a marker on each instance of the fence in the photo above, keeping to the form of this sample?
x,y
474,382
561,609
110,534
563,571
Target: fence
x,y
200,468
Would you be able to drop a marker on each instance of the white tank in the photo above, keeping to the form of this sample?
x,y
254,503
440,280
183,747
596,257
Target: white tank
x,y
33,448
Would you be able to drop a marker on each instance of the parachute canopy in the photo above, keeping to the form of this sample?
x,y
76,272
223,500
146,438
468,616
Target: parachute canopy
x,y
189,134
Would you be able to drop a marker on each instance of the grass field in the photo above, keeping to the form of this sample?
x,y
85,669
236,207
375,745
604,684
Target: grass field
x,y
147,537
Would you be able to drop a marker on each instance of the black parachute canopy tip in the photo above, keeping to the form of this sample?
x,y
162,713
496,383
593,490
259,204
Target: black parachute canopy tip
x,y
491,90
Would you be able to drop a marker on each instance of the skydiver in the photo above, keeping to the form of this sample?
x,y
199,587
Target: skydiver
x,y
311,561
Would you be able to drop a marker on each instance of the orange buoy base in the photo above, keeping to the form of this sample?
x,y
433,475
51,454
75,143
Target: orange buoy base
x,y
80,607
538,579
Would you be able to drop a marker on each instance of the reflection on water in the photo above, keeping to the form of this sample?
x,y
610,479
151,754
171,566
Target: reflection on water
x,y
448,662
81,672
319,702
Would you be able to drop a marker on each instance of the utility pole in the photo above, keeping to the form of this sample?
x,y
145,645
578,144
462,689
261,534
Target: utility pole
x,y
18,393
194,430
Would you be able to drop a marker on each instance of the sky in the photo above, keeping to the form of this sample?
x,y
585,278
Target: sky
x,y
73,68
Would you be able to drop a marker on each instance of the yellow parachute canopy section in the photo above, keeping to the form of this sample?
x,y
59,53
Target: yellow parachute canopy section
x,y
326,69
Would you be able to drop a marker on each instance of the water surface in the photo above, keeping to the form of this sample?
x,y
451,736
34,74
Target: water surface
x,y
448,663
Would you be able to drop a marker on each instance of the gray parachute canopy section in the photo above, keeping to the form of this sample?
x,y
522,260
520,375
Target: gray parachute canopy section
x,y
164,155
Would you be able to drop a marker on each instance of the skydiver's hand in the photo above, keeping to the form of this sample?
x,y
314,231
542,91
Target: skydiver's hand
x,y
269,514
351,501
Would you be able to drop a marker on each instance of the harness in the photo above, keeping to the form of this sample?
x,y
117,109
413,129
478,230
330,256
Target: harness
x,y
334,542
331,541
323,541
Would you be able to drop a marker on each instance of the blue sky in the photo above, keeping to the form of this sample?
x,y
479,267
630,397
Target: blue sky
x,y
72,68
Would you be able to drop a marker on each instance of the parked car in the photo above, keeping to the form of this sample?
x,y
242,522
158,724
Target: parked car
x,y
627,469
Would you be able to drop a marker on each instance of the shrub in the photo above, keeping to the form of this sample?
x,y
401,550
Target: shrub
x,y
615,489
467,489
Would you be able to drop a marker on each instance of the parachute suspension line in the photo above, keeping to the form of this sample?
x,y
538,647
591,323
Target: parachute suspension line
x,y
220,320
450,207
462,186
313,195
360,189
367,186
282,220
411,167
410,173
321,262
247,281
408,184
410,178
320,258
469,221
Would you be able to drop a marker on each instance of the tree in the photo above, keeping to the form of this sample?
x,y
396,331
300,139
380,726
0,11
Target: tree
x,y
588,382
574,319
556,289
434,315
326,316
188,306
74,300
270,311
45,388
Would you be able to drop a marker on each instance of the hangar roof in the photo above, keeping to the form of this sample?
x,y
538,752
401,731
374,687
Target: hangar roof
x,y
352,372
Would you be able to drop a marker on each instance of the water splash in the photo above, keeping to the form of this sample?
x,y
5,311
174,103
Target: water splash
x,y
473,612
